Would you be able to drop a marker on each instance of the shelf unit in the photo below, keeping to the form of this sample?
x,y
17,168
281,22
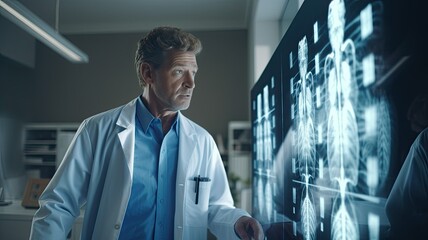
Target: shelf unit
x,y
44,146
239,141
239,157
239,150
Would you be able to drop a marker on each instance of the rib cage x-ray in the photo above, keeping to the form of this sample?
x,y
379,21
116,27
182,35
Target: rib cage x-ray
x,y
305,147
322,123
264,128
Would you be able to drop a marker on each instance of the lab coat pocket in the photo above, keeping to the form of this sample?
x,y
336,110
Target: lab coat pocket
x,y
197,201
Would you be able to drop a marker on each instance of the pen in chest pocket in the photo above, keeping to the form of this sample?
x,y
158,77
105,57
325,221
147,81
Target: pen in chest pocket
x,y
197,180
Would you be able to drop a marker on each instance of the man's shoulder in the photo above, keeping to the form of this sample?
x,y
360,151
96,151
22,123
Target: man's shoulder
x,y
121,115
108,115
422,138
198,129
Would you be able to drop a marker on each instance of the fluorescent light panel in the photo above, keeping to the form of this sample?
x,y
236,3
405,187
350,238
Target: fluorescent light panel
x,y
20,15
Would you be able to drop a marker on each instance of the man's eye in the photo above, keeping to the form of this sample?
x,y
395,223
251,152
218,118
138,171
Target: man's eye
x,y
178,71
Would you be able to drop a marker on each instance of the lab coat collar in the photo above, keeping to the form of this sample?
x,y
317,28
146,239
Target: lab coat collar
x,y
187,138
187,143
126,120
186,128
127,115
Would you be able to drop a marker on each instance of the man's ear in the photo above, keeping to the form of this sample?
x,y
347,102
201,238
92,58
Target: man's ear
x,y
146,73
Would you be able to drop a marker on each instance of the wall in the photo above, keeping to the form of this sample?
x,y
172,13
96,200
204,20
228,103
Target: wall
x,y
16,44
15,95
19,45
269,22
71,92
16,84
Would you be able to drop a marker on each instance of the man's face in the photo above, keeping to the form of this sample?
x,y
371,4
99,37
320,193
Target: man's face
x,y
174,81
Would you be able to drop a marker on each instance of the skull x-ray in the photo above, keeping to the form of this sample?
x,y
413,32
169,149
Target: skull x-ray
x,y
324,123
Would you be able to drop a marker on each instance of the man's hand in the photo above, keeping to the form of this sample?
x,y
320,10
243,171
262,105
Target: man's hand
x,y
249,228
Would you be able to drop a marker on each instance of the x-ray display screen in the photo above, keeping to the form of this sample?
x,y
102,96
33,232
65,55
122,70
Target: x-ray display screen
x,y
326,122
266,127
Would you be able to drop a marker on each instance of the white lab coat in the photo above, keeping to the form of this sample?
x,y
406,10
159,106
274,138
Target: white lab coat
x,y
97,171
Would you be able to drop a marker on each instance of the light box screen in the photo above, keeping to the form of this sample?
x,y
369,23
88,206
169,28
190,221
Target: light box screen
x,y
328,120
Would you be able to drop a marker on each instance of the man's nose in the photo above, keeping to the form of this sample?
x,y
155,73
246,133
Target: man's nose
x,y
189,81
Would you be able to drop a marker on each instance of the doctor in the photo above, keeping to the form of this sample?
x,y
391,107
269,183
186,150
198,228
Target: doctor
x,y
143,170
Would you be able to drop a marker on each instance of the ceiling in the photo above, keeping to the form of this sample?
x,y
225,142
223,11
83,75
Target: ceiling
x,y
107,16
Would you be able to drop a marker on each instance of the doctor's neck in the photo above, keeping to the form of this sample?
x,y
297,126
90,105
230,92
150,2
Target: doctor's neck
x,y
166,116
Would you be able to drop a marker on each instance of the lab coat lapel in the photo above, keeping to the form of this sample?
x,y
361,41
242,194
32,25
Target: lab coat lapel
x,y
187,145
186,161
126,120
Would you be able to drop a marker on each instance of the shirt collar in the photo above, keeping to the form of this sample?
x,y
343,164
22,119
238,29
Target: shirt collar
x,y
145,117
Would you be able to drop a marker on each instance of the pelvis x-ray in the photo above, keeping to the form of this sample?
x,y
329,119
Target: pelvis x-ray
x,y
322,142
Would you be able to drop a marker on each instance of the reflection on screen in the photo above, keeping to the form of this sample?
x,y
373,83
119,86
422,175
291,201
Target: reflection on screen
x,y
322,143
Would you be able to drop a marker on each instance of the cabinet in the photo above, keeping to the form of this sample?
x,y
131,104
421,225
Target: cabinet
x,y
15,222
44,146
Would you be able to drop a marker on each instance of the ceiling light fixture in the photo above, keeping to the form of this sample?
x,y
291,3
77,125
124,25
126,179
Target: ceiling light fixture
x,y
21,16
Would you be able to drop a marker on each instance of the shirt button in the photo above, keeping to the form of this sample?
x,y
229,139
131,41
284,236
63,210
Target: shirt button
x,y
117,226
161,201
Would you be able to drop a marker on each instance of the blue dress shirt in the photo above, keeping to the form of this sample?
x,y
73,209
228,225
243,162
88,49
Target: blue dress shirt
x,y
151,207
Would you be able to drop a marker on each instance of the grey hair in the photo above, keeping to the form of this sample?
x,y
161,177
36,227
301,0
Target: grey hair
x,y
152,47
